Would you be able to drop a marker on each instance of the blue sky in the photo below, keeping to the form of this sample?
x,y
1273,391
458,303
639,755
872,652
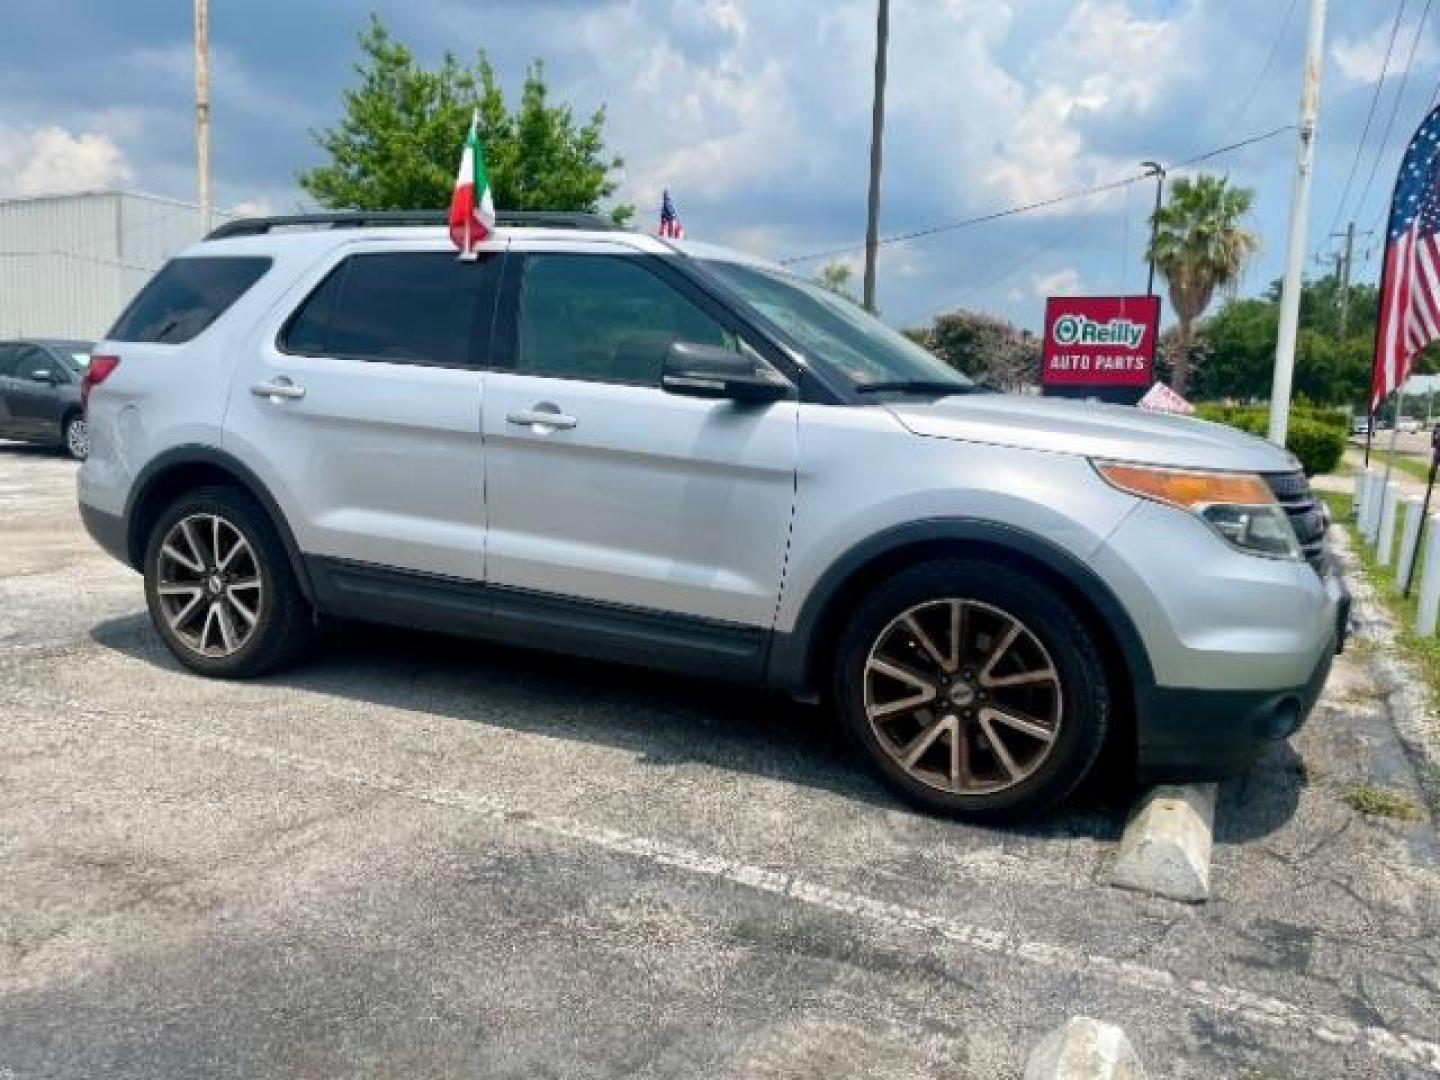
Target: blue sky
x,y
755,113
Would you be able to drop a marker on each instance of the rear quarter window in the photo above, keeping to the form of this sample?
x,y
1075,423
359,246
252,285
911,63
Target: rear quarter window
x,y
186,296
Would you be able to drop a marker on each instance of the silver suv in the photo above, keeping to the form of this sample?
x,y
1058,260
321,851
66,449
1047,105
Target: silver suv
x,y
667,454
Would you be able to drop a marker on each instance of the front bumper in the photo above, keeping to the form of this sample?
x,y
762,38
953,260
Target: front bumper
x,y
1187,734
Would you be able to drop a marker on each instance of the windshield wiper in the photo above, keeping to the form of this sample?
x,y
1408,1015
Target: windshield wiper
x,y
919,386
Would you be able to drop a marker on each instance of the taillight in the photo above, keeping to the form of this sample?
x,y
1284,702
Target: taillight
x,y
99,370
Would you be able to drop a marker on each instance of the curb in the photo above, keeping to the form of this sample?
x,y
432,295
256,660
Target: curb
x,y
1084,1049
1405,698
1165,850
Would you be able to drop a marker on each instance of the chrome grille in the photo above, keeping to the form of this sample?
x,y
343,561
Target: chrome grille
x,y
1307,515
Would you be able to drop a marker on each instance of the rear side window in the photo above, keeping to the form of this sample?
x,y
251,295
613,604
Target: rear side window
x,y
412,307
186,296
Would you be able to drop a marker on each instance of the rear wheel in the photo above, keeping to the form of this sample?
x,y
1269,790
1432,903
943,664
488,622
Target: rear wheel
x,y
219,586
973,688
76,437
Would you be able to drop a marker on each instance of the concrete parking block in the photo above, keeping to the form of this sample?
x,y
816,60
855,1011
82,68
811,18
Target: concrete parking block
x,y
1085,1049
1165,850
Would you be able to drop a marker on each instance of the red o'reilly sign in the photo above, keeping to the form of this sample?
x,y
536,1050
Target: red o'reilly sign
x,y
1100,341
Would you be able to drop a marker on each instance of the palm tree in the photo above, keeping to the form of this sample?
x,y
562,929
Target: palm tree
x,y
1200,246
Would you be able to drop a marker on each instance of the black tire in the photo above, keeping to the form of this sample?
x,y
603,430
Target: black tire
x,y
997,590
75,437
284,624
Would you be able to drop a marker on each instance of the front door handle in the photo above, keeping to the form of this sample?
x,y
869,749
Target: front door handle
x,y
278,388
541,417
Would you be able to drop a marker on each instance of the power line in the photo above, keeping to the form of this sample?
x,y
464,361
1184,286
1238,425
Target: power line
x,y
1369,118
1394,108
1249,97
1025,208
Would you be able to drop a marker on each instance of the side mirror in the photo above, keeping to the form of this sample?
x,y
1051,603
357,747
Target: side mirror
x,y
41,375
709,371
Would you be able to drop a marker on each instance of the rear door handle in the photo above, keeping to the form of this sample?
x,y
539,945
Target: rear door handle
x,y
542,418
278,388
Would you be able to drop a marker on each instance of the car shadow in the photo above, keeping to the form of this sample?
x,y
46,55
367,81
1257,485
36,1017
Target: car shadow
x,y
1263,799
661,719
26,449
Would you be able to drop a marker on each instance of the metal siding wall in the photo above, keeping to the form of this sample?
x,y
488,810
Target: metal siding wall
x,y
68,264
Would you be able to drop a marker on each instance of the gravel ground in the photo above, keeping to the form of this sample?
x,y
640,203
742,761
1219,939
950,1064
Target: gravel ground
x,y
418,856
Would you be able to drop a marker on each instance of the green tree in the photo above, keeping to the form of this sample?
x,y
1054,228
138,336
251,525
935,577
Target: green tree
x,y
1200,246
398,143
838,278
984,347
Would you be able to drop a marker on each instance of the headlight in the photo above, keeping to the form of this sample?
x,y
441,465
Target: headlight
x,y
1240,507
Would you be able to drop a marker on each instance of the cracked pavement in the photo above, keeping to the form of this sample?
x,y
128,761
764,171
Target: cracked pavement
x,y
422,856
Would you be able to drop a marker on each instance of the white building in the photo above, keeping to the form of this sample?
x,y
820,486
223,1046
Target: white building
x,y
70,263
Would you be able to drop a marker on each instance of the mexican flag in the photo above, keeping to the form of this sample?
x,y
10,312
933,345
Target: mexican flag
x,y
472,210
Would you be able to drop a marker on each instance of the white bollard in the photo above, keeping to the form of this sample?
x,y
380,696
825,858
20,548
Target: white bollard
x,y
1386,550
1358,492
1373,493
1429,579
1409,538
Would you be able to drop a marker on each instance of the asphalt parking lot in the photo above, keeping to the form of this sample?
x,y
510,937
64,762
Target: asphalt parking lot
x,y
421,857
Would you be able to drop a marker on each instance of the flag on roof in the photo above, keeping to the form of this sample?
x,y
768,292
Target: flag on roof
x,y
1410,278
472,208
670,226
1160,398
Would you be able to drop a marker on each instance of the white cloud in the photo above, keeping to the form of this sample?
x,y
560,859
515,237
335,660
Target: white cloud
x,y
1361,58
259,207
1062,282
51,160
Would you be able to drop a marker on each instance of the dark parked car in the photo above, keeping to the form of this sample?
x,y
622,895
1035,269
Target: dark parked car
x,y
40,393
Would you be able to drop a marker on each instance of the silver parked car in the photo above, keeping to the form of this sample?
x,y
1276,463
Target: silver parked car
x,y
667,454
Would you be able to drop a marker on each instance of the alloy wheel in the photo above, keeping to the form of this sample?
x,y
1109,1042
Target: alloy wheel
x,y
77,439
209,585
963,696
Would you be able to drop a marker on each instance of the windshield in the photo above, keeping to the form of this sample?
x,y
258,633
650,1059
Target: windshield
x,y
837,330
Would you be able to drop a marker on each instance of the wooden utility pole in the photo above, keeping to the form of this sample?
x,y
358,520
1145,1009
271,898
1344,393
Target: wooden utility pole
x,y
202,112
877,140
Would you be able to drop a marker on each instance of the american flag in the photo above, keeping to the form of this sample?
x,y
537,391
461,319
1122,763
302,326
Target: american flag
x,y
669,220
1410,280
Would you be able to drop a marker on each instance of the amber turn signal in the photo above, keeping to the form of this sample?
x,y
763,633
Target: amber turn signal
x,y
1189,490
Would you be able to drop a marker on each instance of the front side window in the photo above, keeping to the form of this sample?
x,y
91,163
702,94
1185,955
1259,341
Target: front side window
x,y
605,318
186,296
838,331
9,357
410,307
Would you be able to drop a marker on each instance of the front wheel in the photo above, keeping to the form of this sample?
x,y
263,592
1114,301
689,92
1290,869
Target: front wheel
x,y
973,688
220,588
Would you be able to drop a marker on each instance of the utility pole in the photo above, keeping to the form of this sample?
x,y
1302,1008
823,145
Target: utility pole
x,y
1346,263
1155,169
877,139
202,112
1299,216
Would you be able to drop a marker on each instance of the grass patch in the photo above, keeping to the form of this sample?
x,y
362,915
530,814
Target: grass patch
x,y
1423,651
1383,802
1418,468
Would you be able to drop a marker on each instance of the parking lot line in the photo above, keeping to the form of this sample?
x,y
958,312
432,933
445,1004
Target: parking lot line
x,y
1322,1029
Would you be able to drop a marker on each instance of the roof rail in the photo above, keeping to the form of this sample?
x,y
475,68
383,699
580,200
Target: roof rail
x,y
367,219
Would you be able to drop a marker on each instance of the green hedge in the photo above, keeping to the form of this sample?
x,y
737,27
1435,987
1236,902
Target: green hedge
x,y
1317,436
